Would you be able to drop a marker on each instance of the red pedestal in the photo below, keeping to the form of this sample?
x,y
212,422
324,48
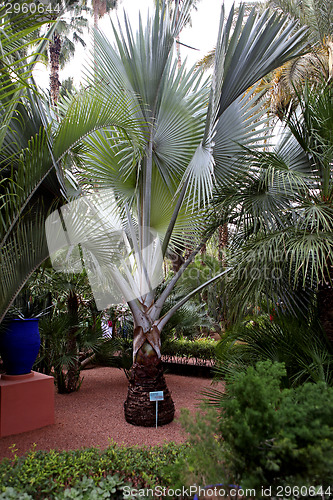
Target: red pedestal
x,y
26,402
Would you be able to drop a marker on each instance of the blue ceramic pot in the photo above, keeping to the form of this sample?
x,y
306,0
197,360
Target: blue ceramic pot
x,y
19,345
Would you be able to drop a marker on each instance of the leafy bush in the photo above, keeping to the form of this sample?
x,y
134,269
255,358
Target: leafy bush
x,y
62,341
47,474
299,344
201,349
116,352
260,434
86,489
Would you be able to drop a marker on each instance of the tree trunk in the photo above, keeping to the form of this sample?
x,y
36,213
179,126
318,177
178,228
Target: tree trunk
x,y
73,373
179,58
54,49
147,376
325,310
96,7
223,242
68,380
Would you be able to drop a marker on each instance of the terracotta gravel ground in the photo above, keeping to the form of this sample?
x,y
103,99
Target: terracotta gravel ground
x,y
94,415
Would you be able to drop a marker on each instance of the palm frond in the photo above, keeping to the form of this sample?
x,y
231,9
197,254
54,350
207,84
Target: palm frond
x,y
265,43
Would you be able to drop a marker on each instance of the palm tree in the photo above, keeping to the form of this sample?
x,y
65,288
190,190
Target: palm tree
x,y
161,164
61,46
176,5
317,16
317,63
24,189
31,181
188,132
102,7
282,212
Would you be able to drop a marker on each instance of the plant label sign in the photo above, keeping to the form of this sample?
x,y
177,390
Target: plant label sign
x,y
156,396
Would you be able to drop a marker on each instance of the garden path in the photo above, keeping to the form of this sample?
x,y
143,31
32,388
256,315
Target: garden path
x,y
94,415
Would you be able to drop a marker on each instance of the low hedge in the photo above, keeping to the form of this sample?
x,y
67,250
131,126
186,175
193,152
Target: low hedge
x,y
201,351
50,475
118,352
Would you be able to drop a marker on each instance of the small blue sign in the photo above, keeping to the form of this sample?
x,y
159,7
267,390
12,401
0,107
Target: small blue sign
x,y
156,396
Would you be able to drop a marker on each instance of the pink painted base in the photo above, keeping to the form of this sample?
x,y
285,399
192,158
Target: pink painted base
x,y
26,402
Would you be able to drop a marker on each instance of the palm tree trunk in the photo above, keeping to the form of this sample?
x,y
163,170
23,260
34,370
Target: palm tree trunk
x,y
179,57
96,7
54,49
223,242
147,376
325,310
72,377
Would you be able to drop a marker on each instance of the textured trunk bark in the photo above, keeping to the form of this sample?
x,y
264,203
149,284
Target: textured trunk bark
x,y
223,242
147,376
73,373
325,310
177,260
179,58
96,12
54,49
69,380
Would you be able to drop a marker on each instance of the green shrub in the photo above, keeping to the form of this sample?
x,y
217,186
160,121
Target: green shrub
x,y
13,494
299,344
86,489
116,352
260,434
47,474
201,349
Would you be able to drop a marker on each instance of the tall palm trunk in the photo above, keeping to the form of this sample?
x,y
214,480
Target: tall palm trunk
x,y
147,376
73,373
54,49
325,310
325,288
223,242
179,58
325,302
68,380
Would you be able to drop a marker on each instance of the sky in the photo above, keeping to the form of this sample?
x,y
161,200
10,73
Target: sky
x,y
201,35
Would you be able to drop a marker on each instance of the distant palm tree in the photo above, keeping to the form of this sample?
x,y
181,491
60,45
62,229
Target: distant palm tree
x,y
27,187
102,7
68,32
176,5
317,63
161,139
31,181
